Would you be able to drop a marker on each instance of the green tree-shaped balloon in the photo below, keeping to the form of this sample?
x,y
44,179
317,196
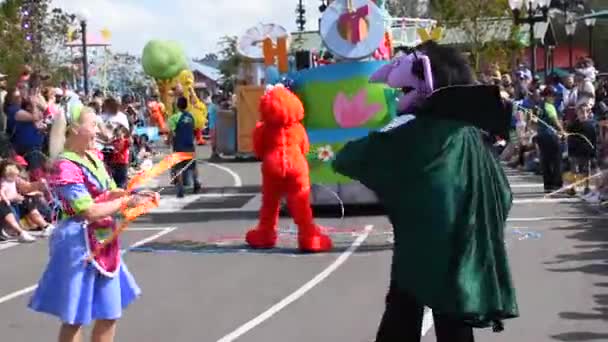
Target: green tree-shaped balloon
x,y
163,60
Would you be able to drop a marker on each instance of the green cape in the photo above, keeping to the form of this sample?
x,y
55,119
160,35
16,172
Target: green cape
x,y
448,199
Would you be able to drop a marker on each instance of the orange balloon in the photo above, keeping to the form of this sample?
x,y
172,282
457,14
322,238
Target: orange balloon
x,y
164,165
131,214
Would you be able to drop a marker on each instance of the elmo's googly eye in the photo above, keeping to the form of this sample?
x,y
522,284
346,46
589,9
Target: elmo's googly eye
x,y
270,87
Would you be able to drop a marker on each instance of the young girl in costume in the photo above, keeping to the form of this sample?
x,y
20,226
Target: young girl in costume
x,y
70,289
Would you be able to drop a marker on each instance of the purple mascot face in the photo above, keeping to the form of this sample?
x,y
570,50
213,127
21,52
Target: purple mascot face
x,y
410,73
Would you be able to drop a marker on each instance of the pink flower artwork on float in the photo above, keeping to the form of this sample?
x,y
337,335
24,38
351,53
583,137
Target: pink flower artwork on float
x,y
355,112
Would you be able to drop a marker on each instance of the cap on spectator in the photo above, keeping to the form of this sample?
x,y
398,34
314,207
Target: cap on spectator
x,y
19,160
2,75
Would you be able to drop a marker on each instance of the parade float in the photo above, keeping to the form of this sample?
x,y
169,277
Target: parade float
x,y
166,62
340,102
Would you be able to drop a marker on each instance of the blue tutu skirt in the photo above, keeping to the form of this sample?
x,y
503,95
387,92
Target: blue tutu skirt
x,y
75,293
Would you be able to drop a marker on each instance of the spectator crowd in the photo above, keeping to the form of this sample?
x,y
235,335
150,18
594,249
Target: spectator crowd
x,y
28,110
559,127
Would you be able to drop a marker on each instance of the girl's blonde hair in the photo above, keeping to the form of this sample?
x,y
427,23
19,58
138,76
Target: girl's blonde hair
x,y
10,169
60,129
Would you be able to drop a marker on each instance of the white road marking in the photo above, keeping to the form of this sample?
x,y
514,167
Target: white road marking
x,y
31,288
253,204
18,293
521,176
243,329
173,204
556,218
546,200
8,244
238,182
197,211
427,321
146,229
163,232
226,194
527,185
11,243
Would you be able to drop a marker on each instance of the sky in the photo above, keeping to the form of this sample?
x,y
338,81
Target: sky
x,y
196,24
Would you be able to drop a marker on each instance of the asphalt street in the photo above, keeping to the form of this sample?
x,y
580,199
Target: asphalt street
x,y
201,284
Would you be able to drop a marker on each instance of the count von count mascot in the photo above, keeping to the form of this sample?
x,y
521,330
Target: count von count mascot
x,y
280,141
445,195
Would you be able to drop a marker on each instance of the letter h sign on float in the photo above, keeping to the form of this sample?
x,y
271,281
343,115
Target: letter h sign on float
x,y
279,52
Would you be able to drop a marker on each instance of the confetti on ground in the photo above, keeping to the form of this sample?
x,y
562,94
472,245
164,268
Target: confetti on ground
x,y
524,234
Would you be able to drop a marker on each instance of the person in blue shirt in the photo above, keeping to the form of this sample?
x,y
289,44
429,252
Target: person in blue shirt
x,y
212,119
181,127
24,131
555,81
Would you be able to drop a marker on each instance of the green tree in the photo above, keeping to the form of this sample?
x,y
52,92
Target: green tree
x,y
120,73
407,8
230,60
482,22
12,37
210,59
54,36
48,28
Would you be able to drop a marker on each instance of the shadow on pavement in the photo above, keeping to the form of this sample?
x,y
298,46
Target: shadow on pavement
x,y
179,217
238,247
591,258
231,160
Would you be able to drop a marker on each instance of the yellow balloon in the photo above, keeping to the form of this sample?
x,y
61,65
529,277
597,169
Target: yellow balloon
x,y
196,107
106,34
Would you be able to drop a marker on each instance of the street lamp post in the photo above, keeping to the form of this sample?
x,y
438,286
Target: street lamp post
x,y
537,12
590,23
83,17
301,16
570,30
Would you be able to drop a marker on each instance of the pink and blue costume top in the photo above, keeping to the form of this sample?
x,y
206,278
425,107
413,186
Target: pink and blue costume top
x,y
70,289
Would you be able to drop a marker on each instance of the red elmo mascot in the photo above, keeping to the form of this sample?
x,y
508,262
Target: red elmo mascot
x,y
280,141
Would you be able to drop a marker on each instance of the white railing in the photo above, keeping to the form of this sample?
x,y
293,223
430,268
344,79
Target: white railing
x,y
405,30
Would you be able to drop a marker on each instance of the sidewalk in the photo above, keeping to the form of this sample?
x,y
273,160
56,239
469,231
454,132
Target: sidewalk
x,y
592,198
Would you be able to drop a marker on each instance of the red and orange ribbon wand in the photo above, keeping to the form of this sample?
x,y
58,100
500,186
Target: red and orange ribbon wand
x,y
130,214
